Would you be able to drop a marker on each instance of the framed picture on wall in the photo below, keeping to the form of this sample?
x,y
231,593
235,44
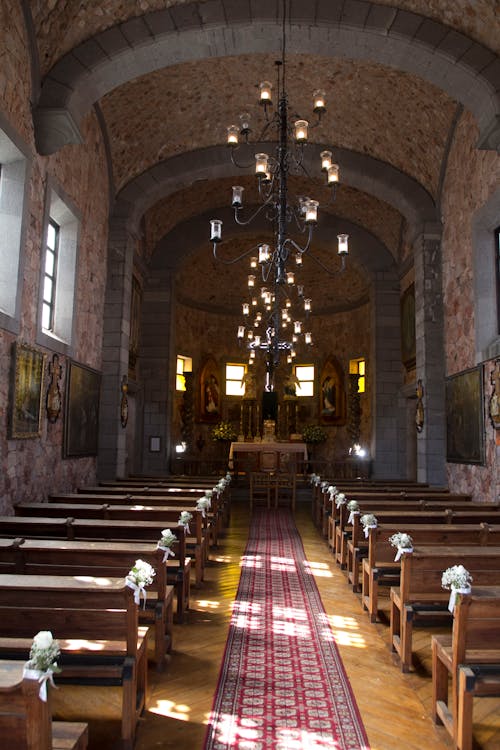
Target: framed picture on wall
x,y
27,392
81,423
332,397
465,417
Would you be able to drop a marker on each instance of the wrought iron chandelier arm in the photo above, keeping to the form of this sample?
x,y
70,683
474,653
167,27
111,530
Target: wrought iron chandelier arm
x,y
244,223
297,247
229,262
330,271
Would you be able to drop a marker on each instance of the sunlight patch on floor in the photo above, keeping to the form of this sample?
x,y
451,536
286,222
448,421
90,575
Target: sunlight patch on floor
x,y
345,631
289,613
251,561
205,604
171,710
317,569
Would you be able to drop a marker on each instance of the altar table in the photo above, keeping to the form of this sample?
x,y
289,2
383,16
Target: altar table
x,y
274,456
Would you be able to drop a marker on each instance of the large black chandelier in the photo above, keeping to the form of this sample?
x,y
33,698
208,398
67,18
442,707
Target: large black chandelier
x,y
275,316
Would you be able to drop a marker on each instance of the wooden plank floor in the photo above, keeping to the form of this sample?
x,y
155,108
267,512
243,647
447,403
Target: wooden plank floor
x,y
395,707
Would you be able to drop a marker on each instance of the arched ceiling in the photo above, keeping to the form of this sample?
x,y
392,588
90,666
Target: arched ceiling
x,y
167,77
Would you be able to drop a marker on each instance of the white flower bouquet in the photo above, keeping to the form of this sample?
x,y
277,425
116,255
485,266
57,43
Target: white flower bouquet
x,y
340,499
369,522
138,577
166,542
353,508
403,542
184,519
332,491
42,662
459,580
203,504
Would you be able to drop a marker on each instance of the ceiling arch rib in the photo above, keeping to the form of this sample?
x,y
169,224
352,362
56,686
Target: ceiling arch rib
x,y
359,171
466,70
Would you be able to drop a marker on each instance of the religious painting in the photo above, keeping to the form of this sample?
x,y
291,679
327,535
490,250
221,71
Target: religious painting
x,y
464,417
332,397
27,384
209,392
81,423
408,336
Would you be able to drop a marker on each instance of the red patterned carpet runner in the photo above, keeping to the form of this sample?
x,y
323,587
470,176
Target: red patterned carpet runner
x,y
282,684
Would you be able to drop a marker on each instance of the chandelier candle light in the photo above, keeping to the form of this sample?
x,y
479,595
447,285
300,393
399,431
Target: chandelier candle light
x,y
271,324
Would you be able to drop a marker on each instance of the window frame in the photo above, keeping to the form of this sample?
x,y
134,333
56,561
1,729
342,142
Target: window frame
x,y
241,388
54,252
312,380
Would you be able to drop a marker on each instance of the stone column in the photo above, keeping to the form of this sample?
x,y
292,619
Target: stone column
x,y
431,441
386,451
157,369
116,328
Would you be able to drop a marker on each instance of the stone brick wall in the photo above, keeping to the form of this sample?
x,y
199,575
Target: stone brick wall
x,y
471,178
30,468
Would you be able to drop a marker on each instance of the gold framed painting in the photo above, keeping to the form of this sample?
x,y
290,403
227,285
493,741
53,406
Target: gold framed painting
x,y
81,424
27,392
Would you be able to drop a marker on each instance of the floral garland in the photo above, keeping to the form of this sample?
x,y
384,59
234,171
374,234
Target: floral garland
x,y
184,520
313,433
223,431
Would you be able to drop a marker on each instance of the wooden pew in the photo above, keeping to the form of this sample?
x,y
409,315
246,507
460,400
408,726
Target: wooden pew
x,y
196,540
105,530
216,517
470,659
353,537
96,624
380,569
46,557
26,721
420,594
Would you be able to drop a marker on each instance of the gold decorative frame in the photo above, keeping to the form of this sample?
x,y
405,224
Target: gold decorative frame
x,y
332,396
27,392
210,392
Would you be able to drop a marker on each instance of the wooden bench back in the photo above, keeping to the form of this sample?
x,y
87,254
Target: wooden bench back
x,y
380,549
134,513
421,570
25,720
72,608
47,557
476,626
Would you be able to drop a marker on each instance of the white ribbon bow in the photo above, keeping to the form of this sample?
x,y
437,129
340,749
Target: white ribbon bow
x,y
352,514
367,529
43,678
138,589
453,596
401,551
168,552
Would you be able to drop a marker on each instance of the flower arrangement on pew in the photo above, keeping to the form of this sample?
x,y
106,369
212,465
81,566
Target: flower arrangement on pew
x,y
353,508
458,580
403,543
368,521
42,662
138,577
166,542
184,519
203,504
340,499
332,492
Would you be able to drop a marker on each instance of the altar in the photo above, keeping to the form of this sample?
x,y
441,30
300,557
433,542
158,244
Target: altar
x,y
269,456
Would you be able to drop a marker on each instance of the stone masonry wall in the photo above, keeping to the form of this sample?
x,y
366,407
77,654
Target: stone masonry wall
x,y
30,468
471,178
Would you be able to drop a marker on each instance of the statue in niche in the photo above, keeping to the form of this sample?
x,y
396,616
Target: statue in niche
x,y
248,380
290,386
